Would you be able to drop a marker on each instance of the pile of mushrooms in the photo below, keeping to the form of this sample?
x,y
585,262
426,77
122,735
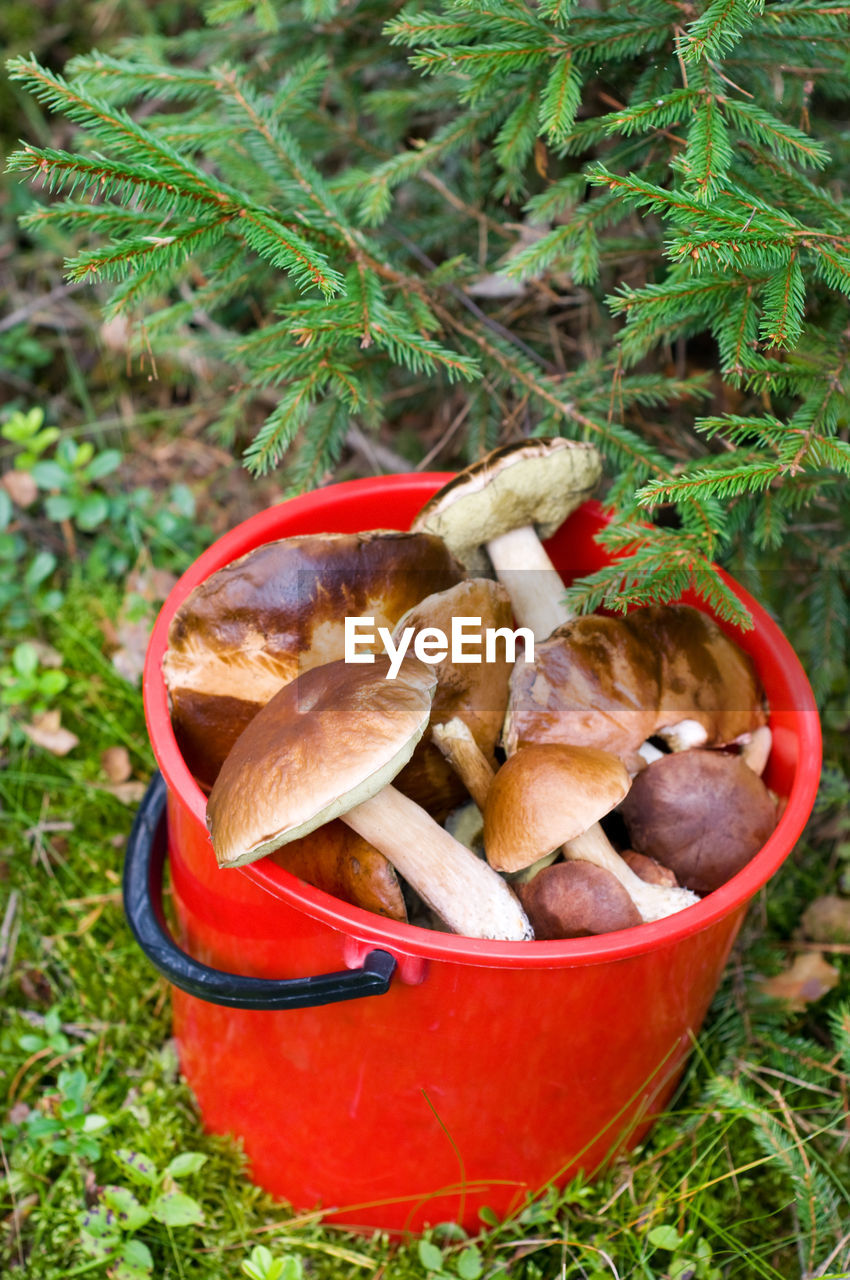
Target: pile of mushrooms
x,y
609,779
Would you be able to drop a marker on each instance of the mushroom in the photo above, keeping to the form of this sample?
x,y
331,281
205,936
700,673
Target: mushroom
x,y
328,745
455,741
251,626
338,861
576,899
473,691
704,814
612,683
649,869
551,795
501,502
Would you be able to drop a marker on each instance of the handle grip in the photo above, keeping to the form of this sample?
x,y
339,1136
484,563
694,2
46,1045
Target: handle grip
x,y
144,863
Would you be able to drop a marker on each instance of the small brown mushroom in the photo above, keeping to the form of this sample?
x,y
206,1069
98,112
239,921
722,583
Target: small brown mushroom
x,y
704,814
472,692
328,745
338,861
253,625
500,502
575,900
649,869
550,795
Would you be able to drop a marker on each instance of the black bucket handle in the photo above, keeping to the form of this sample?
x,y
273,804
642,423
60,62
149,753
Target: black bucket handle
x,y
144,863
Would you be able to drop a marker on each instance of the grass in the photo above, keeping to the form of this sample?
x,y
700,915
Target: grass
x,y
746,1175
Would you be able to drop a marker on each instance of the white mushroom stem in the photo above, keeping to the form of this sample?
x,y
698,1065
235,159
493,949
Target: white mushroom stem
x,y
531,580
653,901
464,891
455,741
756,750
685,735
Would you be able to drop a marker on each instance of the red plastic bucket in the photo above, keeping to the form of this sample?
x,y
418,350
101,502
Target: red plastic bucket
x,y
487,1069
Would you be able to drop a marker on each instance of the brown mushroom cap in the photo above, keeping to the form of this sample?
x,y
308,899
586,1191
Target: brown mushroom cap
x,y
476,692
575,900
649,869
255,623
612,683
536,482
546,795
704,814
340,862
327,741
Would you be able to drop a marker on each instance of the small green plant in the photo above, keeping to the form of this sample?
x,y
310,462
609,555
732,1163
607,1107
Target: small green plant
x,y
70,478
108,1231
24,681
262,1265
61,1124
28,432
690,1258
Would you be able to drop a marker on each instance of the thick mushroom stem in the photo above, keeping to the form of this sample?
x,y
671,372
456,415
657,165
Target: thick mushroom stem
x,y
466,893
755,752
653,901
531,580
455,741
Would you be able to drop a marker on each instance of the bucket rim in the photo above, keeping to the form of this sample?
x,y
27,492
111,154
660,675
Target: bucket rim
x,y
405,939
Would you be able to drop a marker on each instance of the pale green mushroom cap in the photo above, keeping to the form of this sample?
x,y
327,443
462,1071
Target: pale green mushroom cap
x,y
538,482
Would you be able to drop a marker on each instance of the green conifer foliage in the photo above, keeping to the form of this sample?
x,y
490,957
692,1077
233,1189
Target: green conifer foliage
x,y
626,223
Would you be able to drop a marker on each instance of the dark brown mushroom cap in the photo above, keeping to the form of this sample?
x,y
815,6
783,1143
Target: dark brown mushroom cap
x,y
575,900
612,683
340,862
546,795
704,814
254,624
535,482
477,692
332,738
705,675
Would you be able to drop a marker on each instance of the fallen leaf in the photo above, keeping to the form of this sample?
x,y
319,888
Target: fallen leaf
x,y
115,763
47,655
803,982
129,658
827,919
127,792
21,487
46,731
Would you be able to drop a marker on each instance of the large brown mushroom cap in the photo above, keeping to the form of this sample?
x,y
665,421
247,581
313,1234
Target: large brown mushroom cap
x,y
576,900
704,814
254,624
546,795
327,741
612,683
592,683
476,692
537,482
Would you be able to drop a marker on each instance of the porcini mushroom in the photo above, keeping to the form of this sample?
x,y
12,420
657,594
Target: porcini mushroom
x,y
252,625
338,861
551,795
328,745
704,814
576,900
612,683
472,681
507,502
